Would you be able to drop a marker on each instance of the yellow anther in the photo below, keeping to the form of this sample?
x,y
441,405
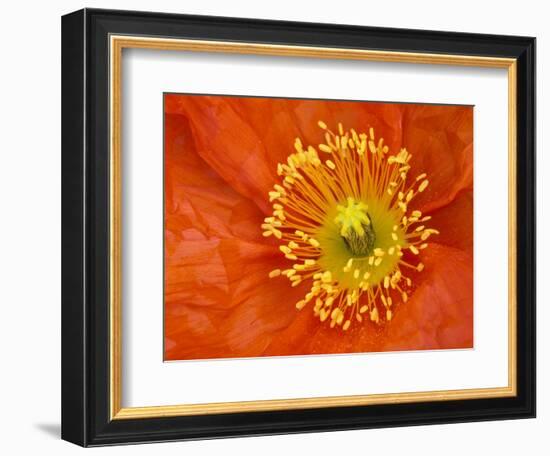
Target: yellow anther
x,y
372,147
285,249
423,186
289,180
298,145
330,164
274,273
388,315
374,314
300,304
413,249
314,242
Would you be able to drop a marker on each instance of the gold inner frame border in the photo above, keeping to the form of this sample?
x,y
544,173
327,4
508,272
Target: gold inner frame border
x,y
116,45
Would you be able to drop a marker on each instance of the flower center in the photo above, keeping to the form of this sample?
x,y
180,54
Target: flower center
x,y
347,226
356,227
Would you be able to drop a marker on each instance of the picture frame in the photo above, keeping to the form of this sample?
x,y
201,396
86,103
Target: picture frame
x,y
93,42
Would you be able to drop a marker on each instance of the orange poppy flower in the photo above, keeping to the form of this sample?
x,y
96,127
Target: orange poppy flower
x,y
245,270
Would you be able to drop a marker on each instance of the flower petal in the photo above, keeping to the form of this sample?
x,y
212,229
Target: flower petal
x,y
197,200
278,121
244,138
440,313
440,139
227,143
455,222
220,302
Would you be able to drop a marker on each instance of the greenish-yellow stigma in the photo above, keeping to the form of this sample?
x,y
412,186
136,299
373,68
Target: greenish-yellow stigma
x,y
356,227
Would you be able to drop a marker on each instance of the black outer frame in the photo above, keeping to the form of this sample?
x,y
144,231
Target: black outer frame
x,y
85,227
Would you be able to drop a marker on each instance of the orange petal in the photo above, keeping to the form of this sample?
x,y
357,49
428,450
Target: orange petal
x,y
197,201
440,139
278,122
439,314
228,145
243,138
455,223
220,302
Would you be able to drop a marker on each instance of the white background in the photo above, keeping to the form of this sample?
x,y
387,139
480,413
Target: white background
x,y
147,74
30,228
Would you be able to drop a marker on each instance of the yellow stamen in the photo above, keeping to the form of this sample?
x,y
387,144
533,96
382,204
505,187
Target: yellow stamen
x,y
346,225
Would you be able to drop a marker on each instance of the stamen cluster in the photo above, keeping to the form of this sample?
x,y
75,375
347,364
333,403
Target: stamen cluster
x,y
343,215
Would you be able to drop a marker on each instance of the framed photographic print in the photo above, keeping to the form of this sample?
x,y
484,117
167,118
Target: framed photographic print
x,y
275,227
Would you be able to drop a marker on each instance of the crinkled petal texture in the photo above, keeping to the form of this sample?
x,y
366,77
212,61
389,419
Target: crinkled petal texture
x,y
221,156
